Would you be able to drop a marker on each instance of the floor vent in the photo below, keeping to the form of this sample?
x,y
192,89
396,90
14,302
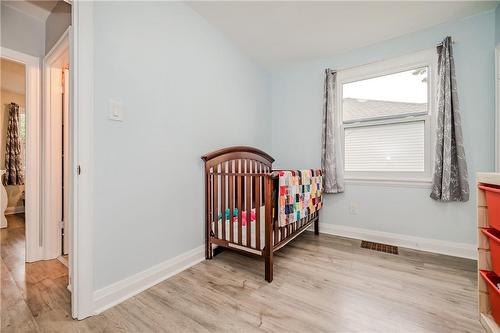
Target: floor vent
x,y
379,247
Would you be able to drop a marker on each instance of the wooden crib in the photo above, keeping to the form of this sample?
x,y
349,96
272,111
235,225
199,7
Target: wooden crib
x,y
240,181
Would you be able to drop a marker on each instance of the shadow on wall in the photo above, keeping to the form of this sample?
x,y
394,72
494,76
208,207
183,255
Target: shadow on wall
x,y
58,21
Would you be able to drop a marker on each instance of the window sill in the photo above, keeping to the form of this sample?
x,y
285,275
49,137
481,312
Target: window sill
x,y
408,183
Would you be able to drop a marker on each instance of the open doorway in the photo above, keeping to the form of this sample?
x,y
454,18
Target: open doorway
x,y
20,163
26,272
35,177
12,162
13,133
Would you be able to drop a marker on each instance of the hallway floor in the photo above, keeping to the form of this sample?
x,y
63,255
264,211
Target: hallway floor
x,y
33,295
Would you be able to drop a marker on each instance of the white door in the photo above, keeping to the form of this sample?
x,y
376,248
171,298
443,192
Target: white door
x,y
56,133
65,161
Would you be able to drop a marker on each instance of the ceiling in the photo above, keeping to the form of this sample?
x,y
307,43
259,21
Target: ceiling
x,y
39,9
12,77
278,32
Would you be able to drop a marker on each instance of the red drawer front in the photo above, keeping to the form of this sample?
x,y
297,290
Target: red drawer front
x,y
493,202
494,294
494,239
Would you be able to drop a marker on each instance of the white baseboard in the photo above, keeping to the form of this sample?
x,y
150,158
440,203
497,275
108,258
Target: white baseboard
x,y
462,250
118,292
63,261
14,210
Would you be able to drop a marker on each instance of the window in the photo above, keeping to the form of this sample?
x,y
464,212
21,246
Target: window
x,y
385,111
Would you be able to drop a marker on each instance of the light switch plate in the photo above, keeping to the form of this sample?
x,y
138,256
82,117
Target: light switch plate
x,y
115,110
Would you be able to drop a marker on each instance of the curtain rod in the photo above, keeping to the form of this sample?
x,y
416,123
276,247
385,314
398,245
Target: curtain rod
x,y
375,61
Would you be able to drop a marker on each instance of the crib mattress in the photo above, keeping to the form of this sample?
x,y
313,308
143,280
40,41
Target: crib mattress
x,y
253,228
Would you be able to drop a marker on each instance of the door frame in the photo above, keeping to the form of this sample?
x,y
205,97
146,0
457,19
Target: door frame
x,y
51,169
82,159
81,111
32,167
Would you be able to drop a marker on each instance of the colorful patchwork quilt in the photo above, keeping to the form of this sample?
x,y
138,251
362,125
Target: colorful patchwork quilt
x,y
300,194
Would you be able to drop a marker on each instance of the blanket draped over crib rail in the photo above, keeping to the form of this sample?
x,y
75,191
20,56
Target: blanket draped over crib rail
x,y
300,194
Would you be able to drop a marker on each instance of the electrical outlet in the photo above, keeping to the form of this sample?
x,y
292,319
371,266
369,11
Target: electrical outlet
x,y
353,208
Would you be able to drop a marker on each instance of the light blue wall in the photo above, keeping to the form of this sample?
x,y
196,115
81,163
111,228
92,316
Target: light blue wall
x,y
186,91
297,107
497,24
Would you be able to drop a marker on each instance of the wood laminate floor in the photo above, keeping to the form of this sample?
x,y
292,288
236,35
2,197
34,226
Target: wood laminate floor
x,y
321,284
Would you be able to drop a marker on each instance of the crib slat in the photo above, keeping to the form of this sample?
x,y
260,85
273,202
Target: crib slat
x,y
277,233
211,202
262,182
223,199
257,211
239,195
231,203
243,170
249,209
252,170
216,204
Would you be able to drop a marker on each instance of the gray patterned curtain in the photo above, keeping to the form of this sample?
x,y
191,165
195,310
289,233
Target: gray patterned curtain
x,y
13,162
331,157
450,181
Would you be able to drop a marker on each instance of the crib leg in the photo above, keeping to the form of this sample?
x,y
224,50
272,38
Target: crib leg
x,y
268,259
268,249
316,226
209,253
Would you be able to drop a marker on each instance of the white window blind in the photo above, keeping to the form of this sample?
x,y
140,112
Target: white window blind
x,y
395,147
386,110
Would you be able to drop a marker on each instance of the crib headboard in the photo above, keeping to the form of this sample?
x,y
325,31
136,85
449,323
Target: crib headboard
x,y
253,156
236,178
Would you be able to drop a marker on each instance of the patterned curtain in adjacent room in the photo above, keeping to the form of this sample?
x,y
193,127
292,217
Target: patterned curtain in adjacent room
x,y
13,161
331,157
450,181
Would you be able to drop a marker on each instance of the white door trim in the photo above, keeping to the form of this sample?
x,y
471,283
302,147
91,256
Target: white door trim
x,y
34,230
81,155
52,167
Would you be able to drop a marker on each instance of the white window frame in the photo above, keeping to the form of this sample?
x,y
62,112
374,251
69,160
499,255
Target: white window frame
x,y
427,58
